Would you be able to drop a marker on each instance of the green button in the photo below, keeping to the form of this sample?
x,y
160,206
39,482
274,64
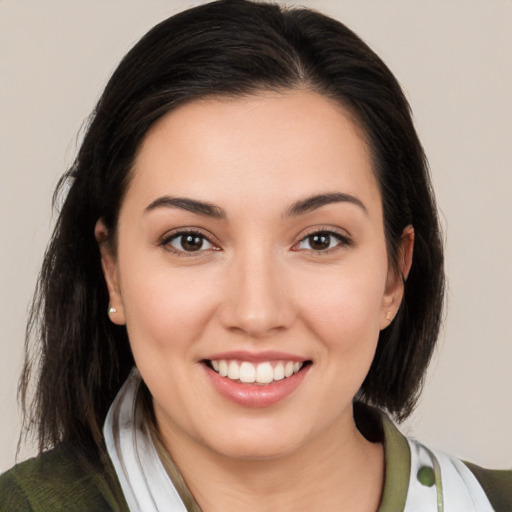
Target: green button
x,y
426,476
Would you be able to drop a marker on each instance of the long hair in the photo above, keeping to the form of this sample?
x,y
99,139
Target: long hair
x,y
224,48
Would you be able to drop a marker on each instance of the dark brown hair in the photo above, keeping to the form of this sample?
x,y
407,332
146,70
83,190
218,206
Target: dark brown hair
x,y
227,47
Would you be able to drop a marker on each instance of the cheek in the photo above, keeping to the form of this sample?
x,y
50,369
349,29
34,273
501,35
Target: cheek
x,y
344,306
166,314
166,310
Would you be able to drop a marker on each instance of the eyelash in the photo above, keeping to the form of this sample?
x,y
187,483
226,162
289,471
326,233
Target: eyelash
x,y
167,240
342,241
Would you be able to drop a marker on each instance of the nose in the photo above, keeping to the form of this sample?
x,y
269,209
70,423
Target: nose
x,y
257,300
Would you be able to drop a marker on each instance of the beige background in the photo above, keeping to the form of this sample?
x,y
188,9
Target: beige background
x,y
454,59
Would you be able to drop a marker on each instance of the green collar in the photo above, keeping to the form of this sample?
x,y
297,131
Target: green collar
x,y
398,467
377,427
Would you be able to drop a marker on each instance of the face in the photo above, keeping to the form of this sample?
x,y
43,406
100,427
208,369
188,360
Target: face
x,y
251,271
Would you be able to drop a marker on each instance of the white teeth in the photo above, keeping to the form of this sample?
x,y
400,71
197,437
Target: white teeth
x,y
233,370
223,368
279,371
262,373
247,372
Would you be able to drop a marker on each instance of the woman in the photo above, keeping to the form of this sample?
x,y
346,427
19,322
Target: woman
x,y
250,225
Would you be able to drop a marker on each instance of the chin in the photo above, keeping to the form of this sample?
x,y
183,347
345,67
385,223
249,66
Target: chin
x,y
264,443
253,450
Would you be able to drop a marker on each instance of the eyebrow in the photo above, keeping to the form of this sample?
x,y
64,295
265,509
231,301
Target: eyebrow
x,y
190,205
317,201
210,210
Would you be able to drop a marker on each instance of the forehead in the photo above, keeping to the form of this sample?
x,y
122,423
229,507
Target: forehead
x,y
271,145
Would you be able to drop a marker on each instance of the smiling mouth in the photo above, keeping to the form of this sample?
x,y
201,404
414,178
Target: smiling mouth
x,y
261,373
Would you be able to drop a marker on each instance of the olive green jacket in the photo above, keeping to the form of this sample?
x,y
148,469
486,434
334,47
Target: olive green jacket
x,y
55,481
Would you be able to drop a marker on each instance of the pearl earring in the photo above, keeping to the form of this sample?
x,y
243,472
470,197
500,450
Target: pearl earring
x,y
111,310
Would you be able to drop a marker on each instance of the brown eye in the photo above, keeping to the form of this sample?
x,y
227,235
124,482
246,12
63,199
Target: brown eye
x,y
322,241
189,242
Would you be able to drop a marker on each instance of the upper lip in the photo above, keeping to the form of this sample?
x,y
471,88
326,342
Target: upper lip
x,y
256,357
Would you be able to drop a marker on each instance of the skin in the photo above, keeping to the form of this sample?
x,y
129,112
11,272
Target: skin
x,y
256,284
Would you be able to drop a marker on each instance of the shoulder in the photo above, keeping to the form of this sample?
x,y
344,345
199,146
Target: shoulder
x,y
497,484
56,480
462,482
417,474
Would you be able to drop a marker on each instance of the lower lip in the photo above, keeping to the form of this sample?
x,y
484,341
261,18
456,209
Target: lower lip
x,y
256,395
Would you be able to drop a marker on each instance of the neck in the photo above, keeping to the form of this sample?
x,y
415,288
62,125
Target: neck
x,y
339,470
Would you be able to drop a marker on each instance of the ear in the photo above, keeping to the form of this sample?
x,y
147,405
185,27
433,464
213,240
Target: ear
x,y
396,278
110,272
